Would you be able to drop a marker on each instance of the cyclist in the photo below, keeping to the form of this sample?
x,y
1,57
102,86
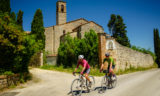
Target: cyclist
x,y
111,64
86,67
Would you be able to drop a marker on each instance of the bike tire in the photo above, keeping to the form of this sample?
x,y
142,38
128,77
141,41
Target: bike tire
x,y
92,87
114,82
77,83
104,84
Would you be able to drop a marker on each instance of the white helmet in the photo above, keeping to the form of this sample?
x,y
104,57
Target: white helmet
x,y
80,57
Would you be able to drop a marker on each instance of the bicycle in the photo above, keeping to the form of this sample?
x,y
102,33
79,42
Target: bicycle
x,y
108,82
79,84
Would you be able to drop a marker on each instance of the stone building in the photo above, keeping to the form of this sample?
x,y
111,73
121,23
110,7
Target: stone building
x,y
125,57
75,28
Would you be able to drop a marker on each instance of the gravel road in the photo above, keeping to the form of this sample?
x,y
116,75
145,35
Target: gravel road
x,y
52,83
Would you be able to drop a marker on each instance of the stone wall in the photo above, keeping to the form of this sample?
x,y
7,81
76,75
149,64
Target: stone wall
x,y
127,57
124,56
6,81
52,60
49,39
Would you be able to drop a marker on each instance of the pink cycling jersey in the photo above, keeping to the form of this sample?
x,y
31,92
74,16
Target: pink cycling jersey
x,y
84,63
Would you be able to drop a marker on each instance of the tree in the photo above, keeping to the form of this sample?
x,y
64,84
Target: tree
x,y
37,27
13,16
70,48
157,46
111,24
20,19
5,6
16,47
11,45
118,30
91,46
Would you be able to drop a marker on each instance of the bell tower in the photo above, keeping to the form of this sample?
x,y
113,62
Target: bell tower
x,y
61,13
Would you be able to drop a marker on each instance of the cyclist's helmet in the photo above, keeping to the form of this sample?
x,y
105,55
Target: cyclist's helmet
x,y
80,57
107,54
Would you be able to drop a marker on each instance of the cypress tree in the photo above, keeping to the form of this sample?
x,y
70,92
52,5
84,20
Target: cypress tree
x,y
13,16
155,41
118,30
37,27
20,19
111,24
5,6
157,46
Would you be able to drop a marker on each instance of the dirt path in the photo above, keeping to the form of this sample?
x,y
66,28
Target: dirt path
x,y
51,83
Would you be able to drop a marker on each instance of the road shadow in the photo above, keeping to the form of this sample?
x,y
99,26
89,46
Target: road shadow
x,y
99,90
77,93
9,94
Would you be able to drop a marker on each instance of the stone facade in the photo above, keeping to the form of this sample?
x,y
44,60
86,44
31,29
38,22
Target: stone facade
x,y
124,56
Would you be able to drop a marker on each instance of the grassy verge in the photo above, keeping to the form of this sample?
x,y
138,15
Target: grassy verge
x,y
134,69
95,71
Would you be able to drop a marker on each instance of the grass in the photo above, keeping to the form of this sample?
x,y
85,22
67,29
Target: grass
x,y
95,71
134,69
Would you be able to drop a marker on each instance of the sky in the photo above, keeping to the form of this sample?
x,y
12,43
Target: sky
x,y
140,16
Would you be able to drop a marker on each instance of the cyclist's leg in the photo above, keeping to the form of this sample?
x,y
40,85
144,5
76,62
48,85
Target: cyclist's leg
x,y
86,74
113,67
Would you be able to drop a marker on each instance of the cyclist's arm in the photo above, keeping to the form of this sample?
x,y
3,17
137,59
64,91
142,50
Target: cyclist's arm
x,y
76,67
101,66
83,69
110,65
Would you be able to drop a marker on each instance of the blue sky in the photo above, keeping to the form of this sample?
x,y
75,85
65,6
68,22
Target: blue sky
x,y
140,16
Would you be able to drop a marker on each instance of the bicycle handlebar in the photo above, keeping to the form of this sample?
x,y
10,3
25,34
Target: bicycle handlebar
x,y
76,72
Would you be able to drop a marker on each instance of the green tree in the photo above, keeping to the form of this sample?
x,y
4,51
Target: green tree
x,y
118,30
5,6
16,47
20,19
157,46
37,27
13,16
72,47
11,39
91,46
111,24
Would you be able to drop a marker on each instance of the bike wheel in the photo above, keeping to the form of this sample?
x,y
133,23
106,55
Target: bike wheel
x,y
114,82
76,87
104,84
92,86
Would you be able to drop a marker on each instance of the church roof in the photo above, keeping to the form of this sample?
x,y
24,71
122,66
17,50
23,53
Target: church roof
x,y
88,23
76,21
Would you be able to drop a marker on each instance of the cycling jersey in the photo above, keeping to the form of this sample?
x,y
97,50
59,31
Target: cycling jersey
x,y
84,63
109,60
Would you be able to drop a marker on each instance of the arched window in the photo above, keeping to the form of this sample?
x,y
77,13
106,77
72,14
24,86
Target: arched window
x,y
62,8
110,45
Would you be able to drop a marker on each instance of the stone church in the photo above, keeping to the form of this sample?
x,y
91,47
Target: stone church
x,y
75,28
125,57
